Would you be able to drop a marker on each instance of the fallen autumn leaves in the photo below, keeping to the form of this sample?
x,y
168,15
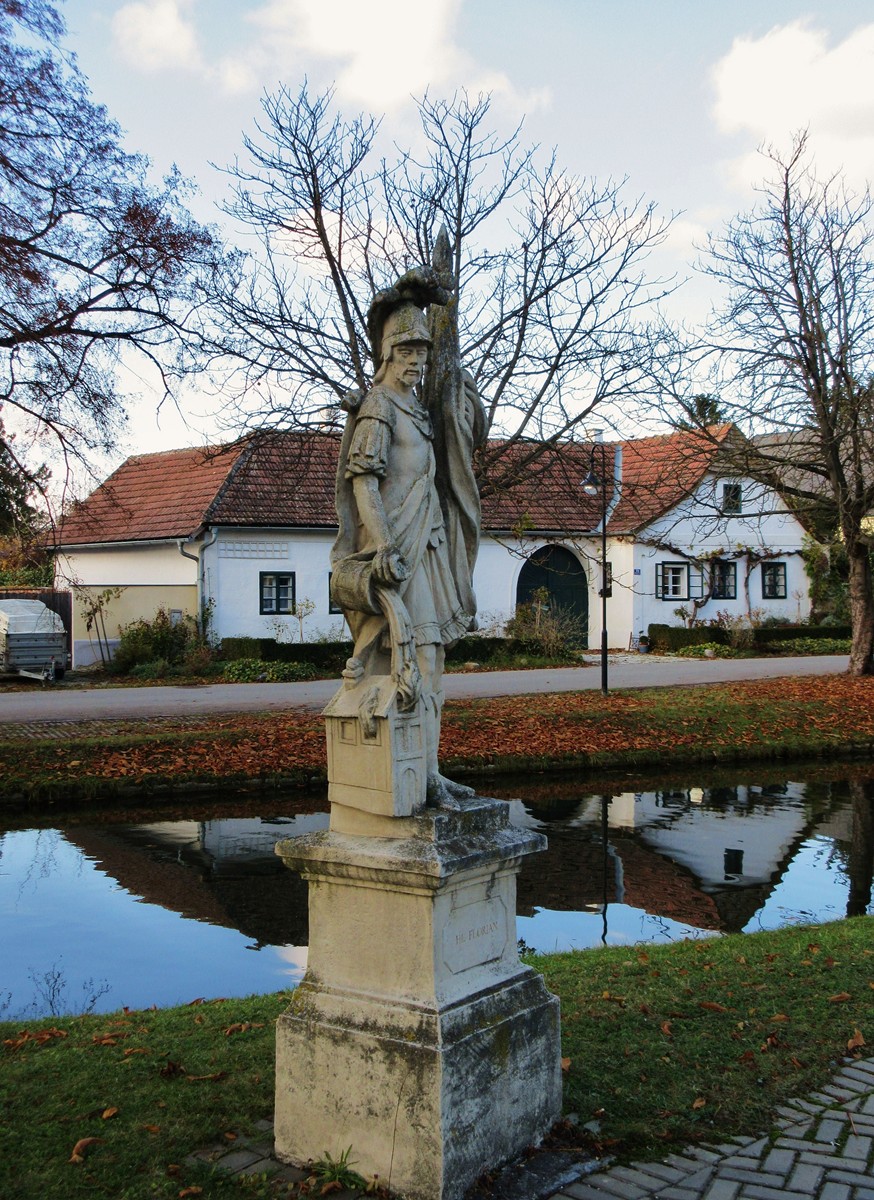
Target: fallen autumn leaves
x,y
772,718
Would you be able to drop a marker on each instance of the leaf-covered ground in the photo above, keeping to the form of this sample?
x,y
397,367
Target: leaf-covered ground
x,y
815,717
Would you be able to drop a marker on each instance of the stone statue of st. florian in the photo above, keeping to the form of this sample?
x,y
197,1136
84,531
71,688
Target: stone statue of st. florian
x,y
416,1035
408,511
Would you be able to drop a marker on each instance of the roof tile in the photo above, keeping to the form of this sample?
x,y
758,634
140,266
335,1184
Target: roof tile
x,y
151,496
287,480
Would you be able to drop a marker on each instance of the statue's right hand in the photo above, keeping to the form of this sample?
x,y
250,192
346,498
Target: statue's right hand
x,y
390,567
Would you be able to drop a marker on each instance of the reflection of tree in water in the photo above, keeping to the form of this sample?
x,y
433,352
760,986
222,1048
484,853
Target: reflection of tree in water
x,y
44,860
53,996
849,849
860,856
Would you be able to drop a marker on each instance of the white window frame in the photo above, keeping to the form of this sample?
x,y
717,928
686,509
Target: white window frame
x,y
677,571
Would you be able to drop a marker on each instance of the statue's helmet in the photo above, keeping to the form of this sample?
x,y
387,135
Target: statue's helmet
x,y
407,323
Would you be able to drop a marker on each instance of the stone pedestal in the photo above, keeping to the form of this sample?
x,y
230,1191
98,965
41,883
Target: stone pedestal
x,y
416,1037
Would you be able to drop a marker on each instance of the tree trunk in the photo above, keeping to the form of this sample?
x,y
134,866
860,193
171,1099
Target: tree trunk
x,y
861,602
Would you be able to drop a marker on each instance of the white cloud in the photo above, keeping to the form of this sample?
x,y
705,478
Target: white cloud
x,y
376,54
381,51
793,78
155,34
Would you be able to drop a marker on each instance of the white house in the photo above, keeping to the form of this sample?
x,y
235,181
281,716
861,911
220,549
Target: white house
x,y
245,531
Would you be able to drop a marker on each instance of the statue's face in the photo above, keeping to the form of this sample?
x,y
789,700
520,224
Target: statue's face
x,y
406,365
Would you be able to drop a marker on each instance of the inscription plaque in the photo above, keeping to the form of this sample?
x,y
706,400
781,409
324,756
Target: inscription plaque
x,y
474,934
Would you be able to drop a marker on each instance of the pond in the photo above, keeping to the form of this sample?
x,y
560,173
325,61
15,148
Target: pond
x,y
100,912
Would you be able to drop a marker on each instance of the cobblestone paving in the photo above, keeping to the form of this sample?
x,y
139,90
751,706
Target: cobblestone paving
x,y
820,1148
67,730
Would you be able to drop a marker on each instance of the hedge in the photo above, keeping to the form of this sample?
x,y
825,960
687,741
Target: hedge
x,y
331,656
675,637
325,656
474,648
788,633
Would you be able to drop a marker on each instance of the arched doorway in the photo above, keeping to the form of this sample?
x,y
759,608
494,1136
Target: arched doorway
x,y
560,572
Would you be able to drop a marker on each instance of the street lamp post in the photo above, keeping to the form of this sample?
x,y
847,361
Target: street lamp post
x,y
592,485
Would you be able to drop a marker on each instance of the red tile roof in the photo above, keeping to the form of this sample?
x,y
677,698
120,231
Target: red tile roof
x,y
531,487
151,496
287,480
659,472
284,479
544,493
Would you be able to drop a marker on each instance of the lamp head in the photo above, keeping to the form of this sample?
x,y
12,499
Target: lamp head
x,y
591,485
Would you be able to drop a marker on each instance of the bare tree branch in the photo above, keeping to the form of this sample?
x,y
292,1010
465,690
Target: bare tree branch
x,y
790,357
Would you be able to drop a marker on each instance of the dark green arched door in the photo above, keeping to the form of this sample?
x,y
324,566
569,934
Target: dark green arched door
x,y
560,572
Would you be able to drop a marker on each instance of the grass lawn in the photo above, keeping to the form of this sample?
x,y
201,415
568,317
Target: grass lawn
x,y
664,1046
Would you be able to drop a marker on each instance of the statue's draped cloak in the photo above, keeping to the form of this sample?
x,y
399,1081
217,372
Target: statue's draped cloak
x,y
459,420
391,438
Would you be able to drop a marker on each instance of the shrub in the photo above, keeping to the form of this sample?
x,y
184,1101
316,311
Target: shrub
x,y
161,638
789,633
673,638
290,672
809,645
245,670
544,629
200,660
252,670
240,647
708,650
157,669
475,648
329,657
741,633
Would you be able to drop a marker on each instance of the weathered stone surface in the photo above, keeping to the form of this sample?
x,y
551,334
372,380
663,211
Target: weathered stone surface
x,y
417,1037
380,767
463,1089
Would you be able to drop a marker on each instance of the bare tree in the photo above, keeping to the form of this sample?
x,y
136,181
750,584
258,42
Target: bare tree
x,y
548,319
791,357
94,261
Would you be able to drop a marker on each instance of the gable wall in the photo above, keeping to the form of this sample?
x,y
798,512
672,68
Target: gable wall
x,y
696,528
153,576
500,563
233,563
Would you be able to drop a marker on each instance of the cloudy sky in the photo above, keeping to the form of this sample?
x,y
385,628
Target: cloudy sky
x,y
675,95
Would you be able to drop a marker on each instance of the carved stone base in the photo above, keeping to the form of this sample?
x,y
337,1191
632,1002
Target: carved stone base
x,y
417,1037
378,764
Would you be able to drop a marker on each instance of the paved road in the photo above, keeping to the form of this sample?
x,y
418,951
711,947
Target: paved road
x,y
626,671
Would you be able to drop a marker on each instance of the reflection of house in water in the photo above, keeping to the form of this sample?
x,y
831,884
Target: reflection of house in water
x,y
705,857
222,872
575,873
736,841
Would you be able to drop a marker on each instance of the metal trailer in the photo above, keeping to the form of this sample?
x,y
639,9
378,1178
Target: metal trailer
x,y
33,641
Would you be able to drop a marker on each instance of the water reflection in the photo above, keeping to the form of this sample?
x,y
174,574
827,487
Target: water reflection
x,y
99,915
